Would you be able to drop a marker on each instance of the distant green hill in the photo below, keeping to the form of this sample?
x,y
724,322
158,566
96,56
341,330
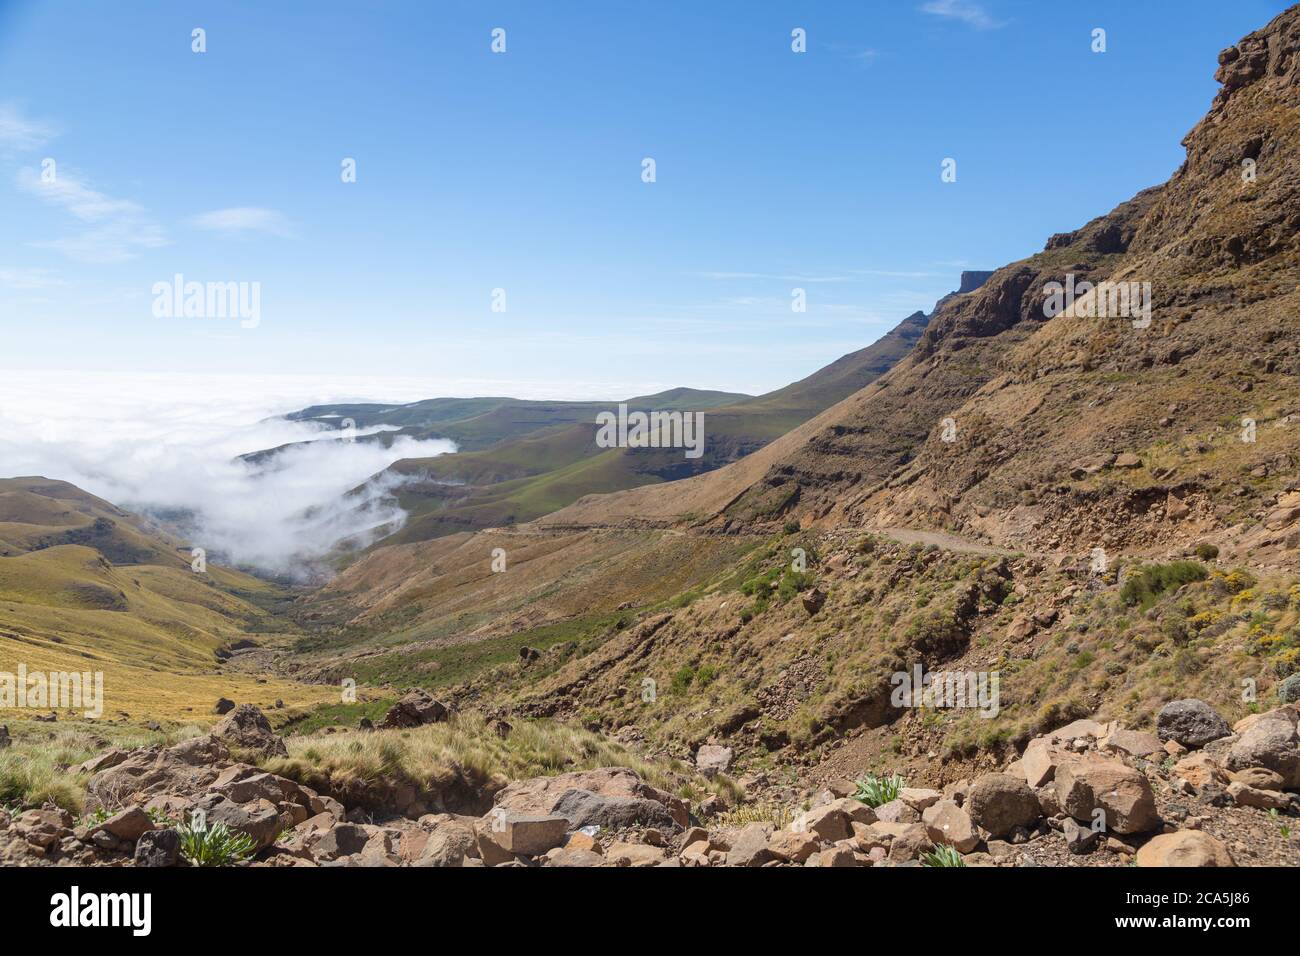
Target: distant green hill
x,y
477,423
546,468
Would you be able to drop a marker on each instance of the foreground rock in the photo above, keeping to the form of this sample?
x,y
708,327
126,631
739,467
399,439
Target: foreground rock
x,y
1184,848
247,728
415,709
999,803
1122,793
1192,723
1270,740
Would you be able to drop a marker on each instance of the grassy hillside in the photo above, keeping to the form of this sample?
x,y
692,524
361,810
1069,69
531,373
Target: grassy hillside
x,y
86,587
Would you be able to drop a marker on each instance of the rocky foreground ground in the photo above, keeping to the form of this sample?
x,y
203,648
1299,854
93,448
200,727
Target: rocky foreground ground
x,y
1198,792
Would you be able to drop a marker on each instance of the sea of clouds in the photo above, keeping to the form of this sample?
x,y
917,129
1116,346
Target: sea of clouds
x,y
167,445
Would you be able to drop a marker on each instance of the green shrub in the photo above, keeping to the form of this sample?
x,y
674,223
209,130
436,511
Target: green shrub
x,y
682,680
1151,582
1206,551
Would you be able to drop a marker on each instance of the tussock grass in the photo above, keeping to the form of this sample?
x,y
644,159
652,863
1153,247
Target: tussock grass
x,y
465,751
34,770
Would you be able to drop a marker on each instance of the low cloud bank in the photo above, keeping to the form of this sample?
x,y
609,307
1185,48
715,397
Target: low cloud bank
x,y
168,446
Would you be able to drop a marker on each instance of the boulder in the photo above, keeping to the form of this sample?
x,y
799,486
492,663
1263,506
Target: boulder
x,y
1193,723
1123,794
1247,796
793,846
223,706
999,803
1260,778
946,822
575,858
712,760
813,600
188,767
919,798
527,834
1040,760
1135,743
128,824
750,847
1271,741
245,784
837,856
855,810
1078,838
158,848
43,828
582,808
1200,768
1184,848
260,822
414,710
1288,692
448,845
896,811
957,791
345,839
828,822
540,794
911,843
633,854
247,728
1085,728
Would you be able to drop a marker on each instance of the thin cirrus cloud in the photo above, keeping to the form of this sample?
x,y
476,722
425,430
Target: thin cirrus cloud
x,y
115,230
28,280
972,14
244,221
19,133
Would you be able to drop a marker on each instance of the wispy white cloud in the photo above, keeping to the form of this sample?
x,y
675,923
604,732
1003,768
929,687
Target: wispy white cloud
x,y
75,196
972,14
727,276
243,221
118,228
27,280
19,133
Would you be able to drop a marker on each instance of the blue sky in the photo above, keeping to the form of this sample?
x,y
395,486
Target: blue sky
x,y
522,171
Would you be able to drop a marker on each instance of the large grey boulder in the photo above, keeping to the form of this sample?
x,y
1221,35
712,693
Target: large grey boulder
x,y
582,808
1192,723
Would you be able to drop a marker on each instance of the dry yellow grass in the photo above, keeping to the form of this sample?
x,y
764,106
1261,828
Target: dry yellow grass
x,y
466,750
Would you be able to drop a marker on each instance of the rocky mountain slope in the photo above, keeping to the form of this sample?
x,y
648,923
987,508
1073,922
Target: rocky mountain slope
x,y
1060,518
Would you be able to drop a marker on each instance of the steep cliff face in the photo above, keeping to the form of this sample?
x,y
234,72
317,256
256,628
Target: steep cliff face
x,y
1008,419
1103,431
